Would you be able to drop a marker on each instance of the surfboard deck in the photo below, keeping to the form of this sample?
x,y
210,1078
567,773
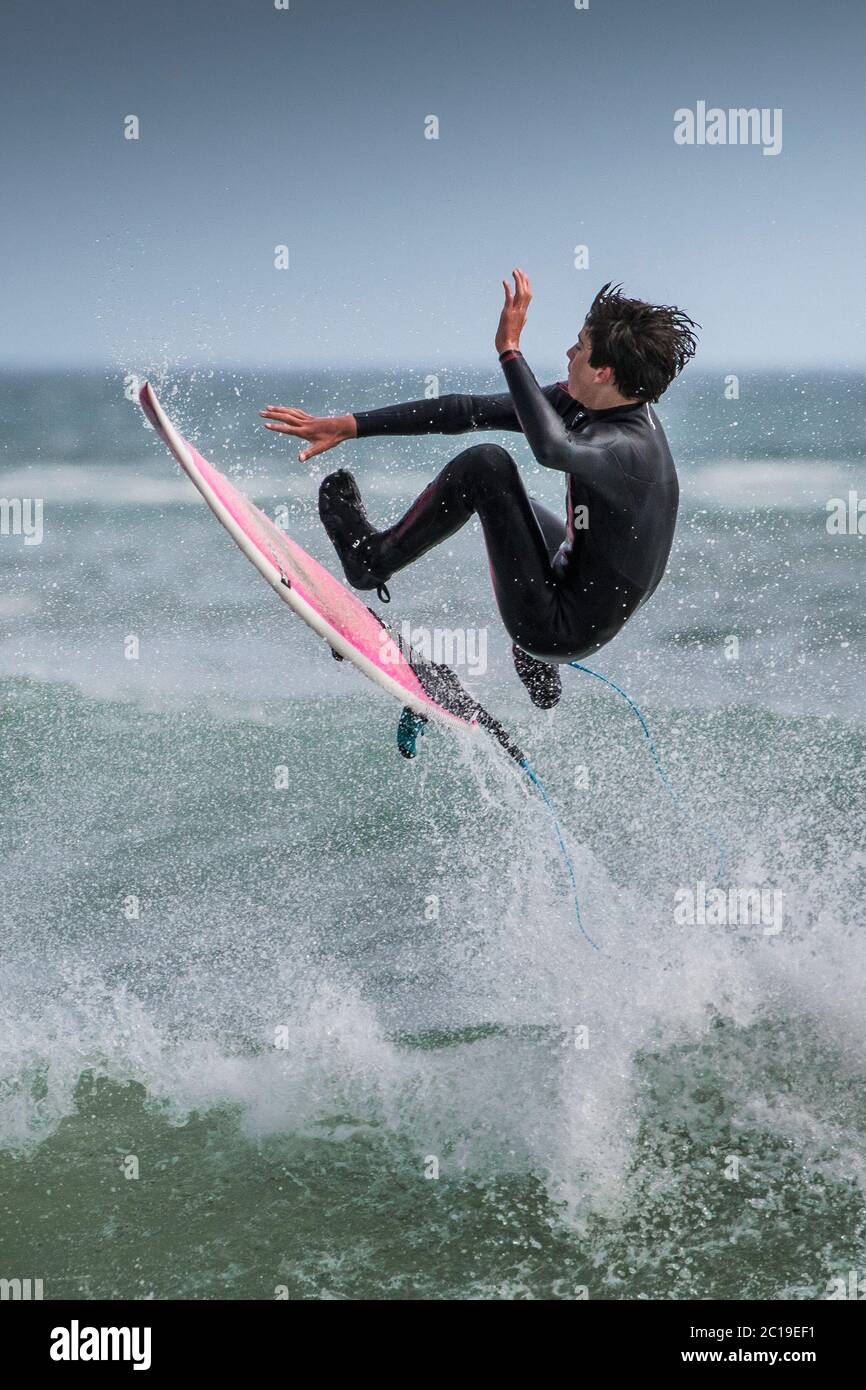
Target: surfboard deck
x,y
353,630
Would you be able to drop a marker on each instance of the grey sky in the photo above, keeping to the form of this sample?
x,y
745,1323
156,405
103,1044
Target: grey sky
x,y
306,127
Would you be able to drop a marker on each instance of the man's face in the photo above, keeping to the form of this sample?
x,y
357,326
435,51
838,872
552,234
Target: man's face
x,y
580,373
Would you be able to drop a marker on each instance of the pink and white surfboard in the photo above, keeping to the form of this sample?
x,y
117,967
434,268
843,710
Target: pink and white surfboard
x,y
325,604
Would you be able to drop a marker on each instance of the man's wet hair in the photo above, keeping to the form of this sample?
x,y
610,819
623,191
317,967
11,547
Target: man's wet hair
x,y
646,345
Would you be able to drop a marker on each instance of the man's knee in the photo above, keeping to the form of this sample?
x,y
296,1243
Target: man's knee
x,y
492,454
488,463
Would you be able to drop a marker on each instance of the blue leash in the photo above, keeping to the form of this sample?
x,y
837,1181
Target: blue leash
x,y
663,777
665,780
537,782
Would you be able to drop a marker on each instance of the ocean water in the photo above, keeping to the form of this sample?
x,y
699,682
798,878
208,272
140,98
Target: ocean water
x,y
335,1033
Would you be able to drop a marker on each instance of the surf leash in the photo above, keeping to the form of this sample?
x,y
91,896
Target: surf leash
x,y
537,782
663,778
443,685
677,802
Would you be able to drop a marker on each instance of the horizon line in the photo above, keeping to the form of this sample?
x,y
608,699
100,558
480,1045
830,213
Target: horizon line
x,y
94,366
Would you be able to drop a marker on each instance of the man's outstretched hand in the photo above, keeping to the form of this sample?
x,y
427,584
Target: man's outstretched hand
x,y
514,311
323,432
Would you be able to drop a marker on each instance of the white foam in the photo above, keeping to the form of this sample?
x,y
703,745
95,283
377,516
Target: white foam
x,y
794,483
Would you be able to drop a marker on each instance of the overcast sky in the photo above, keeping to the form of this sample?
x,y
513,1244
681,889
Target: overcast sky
x,y
306,127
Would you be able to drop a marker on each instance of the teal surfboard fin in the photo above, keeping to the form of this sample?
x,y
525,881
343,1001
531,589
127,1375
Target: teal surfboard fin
x,y
409,729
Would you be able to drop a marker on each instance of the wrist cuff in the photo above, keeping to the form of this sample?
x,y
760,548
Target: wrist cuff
x,y
508,354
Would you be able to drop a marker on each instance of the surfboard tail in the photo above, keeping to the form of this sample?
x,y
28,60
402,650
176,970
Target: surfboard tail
x,y
446,690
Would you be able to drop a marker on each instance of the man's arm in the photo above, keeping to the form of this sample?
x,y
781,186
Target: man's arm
x,y
544,428
452,414
548,437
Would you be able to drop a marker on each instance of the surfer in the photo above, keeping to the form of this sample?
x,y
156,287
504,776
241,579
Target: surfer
x,y
563,589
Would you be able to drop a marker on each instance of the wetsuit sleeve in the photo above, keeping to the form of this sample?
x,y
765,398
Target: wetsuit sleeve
x,y
549,439
453,414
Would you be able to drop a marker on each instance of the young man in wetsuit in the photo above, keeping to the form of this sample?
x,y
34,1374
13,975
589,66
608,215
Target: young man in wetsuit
x,y
563,589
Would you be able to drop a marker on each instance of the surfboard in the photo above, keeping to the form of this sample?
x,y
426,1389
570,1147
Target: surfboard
x,y
354,632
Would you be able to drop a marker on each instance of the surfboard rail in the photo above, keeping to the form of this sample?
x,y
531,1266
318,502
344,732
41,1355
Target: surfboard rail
x,y
300,580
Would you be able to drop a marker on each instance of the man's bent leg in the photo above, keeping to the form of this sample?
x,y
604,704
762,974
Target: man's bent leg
x,y
484,480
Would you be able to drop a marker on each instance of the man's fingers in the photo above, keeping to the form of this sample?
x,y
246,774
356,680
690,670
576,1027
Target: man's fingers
x,y
312,451
300,434
288,429
524,289
282,412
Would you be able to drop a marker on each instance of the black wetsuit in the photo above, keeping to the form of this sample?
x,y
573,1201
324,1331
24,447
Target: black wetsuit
x,y
562,591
